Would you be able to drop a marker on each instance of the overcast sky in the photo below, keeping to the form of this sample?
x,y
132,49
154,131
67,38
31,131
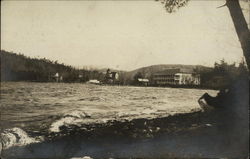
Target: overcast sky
x,y
120,34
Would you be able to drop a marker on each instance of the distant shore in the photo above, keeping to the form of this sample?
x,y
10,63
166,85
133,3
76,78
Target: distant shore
x,y
127,85
18,67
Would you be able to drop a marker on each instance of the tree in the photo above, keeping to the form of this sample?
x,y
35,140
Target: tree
x,y
138,75
241,28
237,16
173,5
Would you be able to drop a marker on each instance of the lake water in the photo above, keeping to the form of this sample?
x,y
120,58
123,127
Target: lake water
x,y
29,111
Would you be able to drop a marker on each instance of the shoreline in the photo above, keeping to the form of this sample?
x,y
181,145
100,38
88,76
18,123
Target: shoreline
x,y
206,129
185,87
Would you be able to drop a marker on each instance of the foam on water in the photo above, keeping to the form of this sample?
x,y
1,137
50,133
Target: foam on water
x,y
78,117
16,137
85,157
74,117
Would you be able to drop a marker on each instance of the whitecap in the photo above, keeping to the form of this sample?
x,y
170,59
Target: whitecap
x,y
85,157
69,119
16,137
78,114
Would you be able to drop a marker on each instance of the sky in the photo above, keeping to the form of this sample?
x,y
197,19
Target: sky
x,y
123,35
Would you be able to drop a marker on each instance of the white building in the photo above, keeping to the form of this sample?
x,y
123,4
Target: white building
x,y
176,77
58,77
187,79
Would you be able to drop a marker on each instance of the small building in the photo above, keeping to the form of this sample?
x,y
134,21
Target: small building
x,y
143,81
176,77
115,75
94,81
80,76
57,77
111,77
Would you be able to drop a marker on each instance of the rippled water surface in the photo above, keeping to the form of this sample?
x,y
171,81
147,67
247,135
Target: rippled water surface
x,y
44,107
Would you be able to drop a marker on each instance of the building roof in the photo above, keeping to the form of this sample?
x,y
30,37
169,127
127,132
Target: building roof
x,y
143,80
174,71
93,81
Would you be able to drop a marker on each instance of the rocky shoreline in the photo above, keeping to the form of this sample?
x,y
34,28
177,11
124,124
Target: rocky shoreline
x,y
195,134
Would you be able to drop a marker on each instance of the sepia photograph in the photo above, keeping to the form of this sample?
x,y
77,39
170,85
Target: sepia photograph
x,y
90,79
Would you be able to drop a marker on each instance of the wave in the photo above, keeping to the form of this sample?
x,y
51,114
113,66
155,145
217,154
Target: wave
x,y
92,99
69,119
16,137
79,118
85,157
144,98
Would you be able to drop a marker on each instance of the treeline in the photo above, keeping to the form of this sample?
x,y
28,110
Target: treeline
x,y
223,74
17,67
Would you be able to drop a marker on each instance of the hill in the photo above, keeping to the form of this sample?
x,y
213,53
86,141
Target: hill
x,y
148,71
18,67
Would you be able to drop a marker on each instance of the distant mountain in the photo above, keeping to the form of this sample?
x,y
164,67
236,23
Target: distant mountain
x,y
149,70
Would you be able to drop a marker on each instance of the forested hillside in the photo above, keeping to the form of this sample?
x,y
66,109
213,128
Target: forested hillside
x,y
17,67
